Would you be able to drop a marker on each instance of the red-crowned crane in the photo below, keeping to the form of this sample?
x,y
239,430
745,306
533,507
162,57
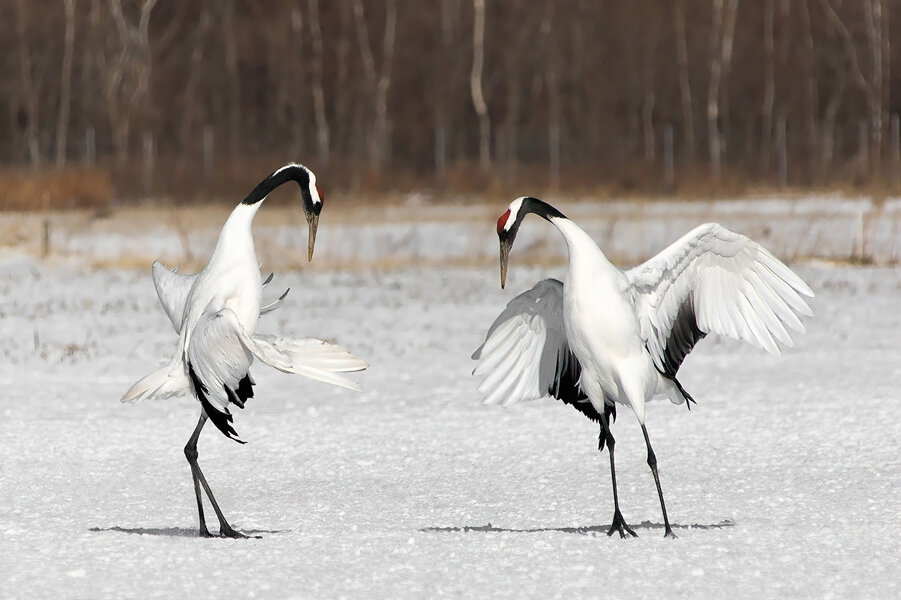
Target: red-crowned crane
x,y
215,314
607,336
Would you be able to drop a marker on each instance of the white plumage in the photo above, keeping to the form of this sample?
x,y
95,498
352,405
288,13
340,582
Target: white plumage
x,y
608,336
215,313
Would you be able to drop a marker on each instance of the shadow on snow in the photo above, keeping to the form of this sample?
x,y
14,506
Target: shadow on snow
x,y
586,530
174,531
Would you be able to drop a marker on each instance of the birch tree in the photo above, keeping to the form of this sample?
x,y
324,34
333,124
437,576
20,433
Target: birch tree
x,y
475,83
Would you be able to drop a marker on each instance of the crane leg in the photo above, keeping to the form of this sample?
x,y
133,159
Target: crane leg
x,y
652,462
619,523
199,480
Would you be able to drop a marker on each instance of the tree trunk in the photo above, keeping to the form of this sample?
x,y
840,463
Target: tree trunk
x,y
369,74
649,101
233,74
382,146
769,83
475,83
29,90
322,126
812,92
713,89
729,18
128,79
552,78
189,107
688,121
65,84
442,119
722,34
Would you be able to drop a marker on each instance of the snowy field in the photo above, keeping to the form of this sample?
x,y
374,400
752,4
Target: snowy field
x,y
783,482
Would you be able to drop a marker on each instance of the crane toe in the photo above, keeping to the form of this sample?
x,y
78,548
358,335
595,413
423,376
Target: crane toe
x,y
619,524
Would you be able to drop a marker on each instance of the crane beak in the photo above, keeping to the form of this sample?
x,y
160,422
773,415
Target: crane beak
x,y
313,221
505,256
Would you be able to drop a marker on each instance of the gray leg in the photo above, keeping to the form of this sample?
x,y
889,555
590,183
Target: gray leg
x,y
199,480
619,523
652,462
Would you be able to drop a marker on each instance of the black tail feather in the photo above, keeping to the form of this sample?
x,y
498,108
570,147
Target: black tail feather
x,y
222,420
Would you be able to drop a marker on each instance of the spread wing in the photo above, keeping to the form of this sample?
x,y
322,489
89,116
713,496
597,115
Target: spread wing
x,y
172,290
525,355
713,279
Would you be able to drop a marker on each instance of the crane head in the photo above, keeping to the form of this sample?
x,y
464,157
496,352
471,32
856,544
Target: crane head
x,y
312,206
507,226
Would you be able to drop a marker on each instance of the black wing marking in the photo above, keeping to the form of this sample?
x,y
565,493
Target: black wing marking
x,y
682,338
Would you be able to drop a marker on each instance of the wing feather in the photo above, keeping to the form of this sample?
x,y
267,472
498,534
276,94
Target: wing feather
x,y
713,279
172,290
525,355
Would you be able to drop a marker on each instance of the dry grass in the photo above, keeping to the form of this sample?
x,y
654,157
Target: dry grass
x,y
183,183
72,188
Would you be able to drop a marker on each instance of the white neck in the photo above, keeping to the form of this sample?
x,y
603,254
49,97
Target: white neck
x,y
579,243
236,238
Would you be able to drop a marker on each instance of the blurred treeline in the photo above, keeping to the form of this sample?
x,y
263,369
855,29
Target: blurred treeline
x,y
193,97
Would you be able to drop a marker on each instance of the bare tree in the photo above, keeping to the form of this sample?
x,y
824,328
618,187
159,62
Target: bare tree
x,y
769,80
190,103
443,88
382,125
378,82
475,83
29,87
128,76
552,68
233,77
688,121
872,87
322,127
65,84
721,38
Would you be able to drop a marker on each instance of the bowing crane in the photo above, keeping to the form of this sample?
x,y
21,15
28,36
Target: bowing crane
x,y
605,336
215,312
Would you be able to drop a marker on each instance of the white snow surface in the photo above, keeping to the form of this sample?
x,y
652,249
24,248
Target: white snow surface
x,y
784,481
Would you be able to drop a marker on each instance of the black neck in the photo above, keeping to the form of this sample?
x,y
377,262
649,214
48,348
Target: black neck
x,y
275,179
540,208
536,206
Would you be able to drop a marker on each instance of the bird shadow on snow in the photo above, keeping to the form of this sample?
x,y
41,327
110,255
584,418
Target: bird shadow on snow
x,y
175,531
585,530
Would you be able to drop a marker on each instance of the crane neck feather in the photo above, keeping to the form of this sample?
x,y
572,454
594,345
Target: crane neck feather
x,y
290,172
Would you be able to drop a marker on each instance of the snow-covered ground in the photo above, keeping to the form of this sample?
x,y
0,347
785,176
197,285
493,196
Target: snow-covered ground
x,y
783,482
